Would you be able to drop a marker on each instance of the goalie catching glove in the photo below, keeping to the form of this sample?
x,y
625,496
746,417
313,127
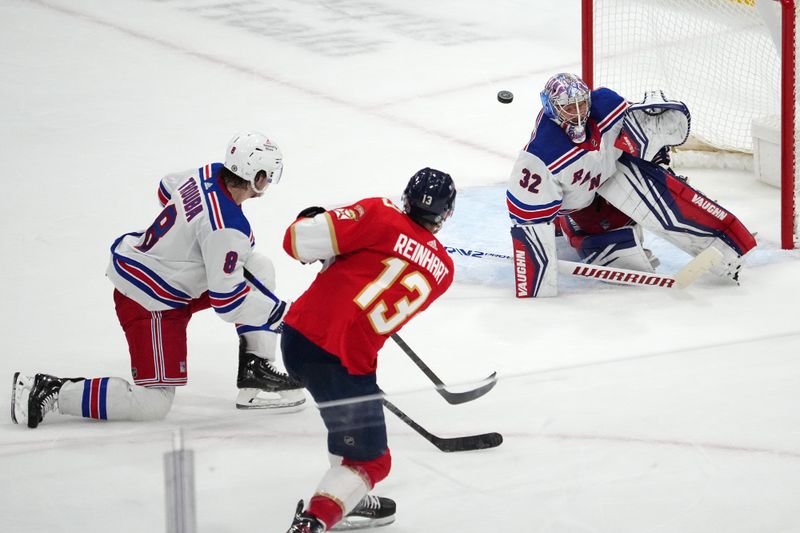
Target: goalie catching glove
x,y
653,126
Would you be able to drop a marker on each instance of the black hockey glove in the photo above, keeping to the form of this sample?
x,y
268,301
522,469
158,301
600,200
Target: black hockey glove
x,y
275,320
311,212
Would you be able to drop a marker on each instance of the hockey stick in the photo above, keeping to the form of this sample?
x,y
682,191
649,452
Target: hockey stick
x,y
451,397
698,266
453,444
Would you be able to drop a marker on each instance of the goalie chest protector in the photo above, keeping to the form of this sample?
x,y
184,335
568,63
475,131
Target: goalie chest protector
x,y
554,176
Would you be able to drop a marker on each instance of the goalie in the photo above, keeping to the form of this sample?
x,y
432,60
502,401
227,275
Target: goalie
x,y
596,169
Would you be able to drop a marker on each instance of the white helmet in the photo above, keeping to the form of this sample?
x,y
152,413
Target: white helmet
x,y
249,153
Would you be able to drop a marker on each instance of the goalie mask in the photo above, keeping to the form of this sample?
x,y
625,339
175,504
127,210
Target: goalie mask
x,y
566,100
250,153
429,198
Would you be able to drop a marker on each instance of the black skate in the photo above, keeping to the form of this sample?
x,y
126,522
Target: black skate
x,y
33,397
262,386
304,522
371,511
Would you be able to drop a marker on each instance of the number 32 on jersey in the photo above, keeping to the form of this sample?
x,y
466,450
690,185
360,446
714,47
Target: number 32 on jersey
x,y
370,296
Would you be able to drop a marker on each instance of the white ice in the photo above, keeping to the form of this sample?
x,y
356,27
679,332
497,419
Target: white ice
x,y
623,409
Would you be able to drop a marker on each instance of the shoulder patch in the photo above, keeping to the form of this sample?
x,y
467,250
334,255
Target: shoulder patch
x,y
353,213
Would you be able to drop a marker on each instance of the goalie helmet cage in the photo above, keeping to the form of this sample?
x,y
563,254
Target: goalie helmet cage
x,y
726,59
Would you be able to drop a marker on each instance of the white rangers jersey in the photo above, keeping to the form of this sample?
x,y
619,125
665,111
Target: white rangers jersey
x,y
199,242
554,176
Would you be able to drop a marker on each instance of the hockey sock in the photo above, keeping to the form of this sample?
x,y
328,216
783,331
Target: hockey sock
x,y
339,491
114,399
259,342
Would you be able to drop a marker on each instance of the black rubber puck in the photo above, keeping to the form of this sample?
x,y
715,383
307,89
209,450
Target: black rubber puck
x,y
505,97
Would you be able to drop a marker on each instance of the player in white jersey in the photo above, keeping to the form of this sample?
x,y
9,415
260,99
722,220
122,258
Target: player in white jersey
x,y
198,253
591,167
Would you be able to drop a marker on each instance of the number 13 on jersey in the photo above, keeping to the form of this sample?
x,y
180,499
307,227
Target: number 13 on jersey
x,y
370,297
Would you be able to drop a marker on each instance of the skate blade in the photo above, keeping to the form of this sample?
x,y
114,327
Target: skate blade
x,y
358,522
289,401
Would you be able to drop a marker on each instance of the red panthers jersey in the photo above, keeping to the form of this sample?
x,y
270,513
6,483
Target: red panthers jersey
x,y
382,268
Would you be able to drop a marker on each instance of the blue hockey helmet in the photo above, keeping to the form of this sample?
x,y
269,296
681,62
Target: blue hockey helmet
x,y
429,198
566,100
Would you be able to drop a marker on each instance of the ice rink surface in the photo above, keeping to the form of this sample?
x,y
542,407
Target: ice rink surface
x,y
624,409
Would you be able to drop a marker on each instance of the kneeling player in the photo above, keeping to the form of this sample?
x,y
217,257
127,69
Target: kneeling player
x,y
196,255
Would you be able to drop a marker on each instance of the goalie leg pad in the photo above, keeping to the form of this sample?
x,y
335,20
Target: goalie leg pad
x,y
620,248
535,260
668,206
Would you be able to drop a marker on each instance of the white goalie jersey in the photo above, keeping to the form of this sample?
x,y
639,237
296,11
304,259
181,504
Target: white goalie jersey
x,y
199,242
552,175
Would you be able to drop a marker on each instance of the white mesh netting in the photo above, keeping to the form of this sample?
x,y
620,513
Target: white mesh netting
x,y
720,57
716,55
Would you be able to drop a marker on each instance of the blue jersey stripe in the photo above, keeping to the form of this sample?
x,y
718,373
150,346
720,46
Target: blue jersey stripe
x,y
530,207
87,395
244,328
229,308
222,295
145,288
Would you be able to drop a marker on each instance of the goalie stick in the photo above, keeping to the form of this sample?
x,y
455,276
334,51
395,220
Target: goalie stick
x,y
452,444
441,388
695,268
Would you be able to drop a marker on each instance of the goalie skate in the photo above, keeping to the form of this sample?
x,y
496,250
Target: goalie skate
x,y
371,511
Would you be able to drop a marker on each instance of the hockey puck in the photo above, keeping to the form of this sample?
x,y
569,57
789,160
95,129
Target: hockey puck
x,y
505,97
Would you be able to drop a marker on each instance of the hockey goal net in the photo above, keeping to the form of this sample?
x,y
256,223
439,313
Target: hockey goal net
x,y
731,61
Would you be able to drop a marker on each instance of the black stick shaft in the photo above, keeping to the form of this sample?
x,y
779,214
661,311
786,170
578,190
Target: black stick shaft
x,y
451,397
414,357
408,420
454,444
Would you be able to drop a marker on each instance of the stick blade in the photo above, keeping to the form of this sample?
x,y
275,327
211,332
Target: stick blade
x,y
698,266
469,443
468,396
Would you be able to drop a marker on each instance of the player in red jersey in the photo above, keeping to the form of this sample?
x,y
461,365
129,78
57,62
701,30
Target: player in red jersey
x,y
382,266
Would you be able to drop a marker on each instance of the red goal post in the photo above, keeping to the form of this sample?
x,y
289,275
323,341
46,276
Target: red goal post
x,y
731,61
